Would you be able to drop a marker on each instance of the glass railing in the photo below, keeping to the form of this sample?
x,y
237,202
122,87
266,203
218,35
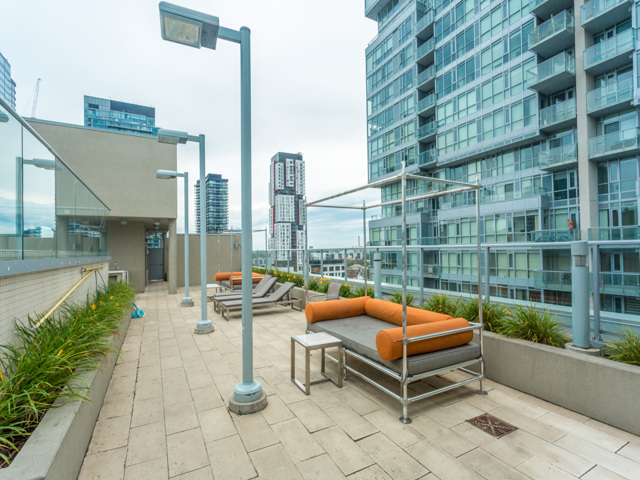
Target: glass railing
x,y
620,283
428,157
560,22
610,95
432,270
553,280
427,74
616,142
557,235
594,8
427,102
428,129
557,113
558,156
46,211
426,47
615,233
613,47
563,62
424,21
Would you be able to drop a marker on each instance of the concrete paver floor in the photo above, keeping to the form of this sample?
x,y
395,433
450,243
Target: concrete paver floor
x,y
165,416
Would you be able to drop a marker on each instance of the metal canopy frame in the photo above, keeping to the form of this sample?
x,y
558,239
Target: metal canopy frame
x,y
403,176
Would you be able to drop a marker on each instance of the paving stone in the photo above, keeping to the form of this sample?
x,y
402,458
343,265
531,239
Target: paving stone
x,y
439,462
180,417
374,472
155,469
345,453
186,452
146,443
216,423
592,435
296,440
254,431
107,465
276,411
206,398
482,462
117,405
147,411
357,401
446,439
601,473
110,433
538,469
274,463
320,468
229,460
351,422
402,434
145,390
312,416
391,458
540,429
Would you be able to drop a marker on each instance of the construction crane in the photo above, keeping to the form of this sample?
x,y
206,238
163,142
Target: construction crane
x,y
35,99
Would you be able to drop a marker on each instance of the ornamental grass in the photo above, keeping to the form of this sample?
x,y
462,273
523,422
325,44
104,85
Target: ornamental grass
x,y
46,360
626,349
536,325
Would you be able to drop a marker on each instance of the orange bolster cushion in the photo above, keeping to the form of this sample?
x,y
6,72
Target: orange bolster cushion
x,y
334,309
389,342
392,313
222,276
238,280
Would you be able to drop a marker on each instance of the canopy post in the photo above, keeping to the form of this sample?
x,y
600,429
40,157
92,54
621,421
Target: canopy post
x,y
405,371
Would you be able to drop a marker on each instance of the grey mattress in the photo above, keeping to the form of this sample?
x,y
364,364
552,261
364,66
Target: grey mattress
x,y
359,335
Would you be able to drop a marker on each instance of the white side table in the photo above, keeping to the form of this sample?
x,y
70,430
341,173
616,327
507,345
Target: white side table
x,y
315,341
216,288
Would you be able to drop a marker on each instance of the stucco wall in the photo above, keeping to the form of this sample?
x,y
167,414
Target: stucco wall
x,y
129,250
215,263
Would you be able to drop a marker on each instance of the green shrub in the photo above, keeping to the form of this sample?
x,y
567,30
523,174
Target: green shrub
x,y
41,366
259,270
441,303
313,285
626,349
493,314
529,323
345,290
397,298
359,292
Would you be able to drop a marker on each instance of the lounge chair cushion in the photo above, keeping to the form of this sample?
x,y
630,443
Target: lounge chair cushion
x,y
237,278
334,309
389,341
392,313
359,335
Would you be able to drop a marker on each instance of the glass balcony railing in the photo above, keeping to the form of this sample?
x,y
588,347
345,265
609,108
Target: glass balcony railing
x,y
426,75
427,130
424,22
557,235
558,156
597,15
432,270
557,114
614,143
609,54
607,97
545,8
426,48
545,37
427,103
552,74
631,232
427,158
552,280
627,284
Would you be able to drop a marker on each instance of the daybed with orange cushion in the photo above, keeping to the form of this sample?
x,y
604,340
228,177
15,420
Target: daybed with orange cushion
x,y
233,280
371,331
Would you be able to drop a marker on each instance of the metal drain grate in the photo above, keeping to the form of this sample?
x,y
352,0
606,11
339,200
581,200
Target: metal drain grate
x,y
492,425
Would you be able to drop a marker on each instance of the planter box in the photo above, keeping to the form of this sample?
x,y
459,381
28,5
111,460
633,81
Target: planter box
x,y
57,447
602,389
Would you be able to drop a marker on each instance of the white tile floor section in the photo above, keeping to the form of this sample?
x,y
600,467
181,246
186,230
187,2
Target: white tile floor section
x,y
165,416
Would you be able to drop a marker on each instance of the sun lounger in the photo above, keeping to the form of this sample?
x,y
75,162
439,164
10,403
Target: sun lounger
x,y
281,296
261,291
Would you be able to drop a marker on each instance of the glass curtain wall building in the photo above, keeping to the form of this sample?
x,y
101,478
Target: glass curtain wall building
x,y
216,201
7,85
286,206
534,99
119,116
46,211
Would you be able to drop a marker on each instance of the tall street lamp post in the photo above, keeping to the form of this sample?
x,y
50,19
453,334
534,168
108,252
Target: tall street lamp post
x,y
186,301
196,29
173,137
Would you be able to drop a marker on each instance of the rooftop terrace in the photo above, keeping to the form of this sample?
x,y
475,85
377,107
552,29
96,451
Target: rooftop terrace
x,y
165,416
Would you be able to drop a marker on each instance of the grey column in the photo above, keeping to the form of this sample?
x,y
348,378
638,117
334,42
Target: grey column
x,y
172,271
377,275
580,294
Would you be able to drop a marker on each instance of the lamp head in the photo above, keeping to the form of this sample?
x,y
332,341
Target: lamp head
x,y
188,27
4,118
166,174
172,137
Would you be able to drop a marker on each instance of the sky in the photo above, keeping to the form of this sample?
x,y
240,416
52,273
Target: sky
x,y
308,88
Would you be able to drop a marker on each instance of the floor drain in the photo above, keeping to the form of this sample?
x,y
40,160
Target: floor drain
x,y
492,425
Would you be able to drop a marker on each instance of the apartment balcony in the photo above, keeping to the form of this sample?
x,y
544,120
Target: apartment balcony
x,y
427,106
552,280
373,7
557,235
610,98
427,79
425,53
558,158
631,232
424,26
545,8
610,54
428,159
432,271
427,133
553,36
553,75
615,144
625,284
558,117
596,15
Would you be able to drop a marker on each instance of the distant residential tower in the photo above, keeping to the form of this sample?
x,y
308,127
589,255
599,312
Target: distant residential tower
x,y
7,85
217,203
286,204
119,116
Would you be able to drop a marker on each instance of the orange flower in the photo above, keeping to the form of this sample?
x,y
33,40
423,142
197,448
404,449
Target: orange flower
x,y
93,307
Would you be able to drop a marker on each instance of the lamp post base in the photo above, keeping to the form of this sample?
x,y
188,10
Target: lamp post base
x,y
186,302
203,327
240,408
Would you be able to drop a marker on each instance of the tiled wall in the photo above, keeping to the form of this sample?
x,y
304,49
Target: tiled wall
x,y
35,293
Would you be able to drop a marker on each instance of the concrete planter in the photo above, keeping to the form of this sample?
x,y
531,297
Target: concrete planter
x,y
602,389
57,447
